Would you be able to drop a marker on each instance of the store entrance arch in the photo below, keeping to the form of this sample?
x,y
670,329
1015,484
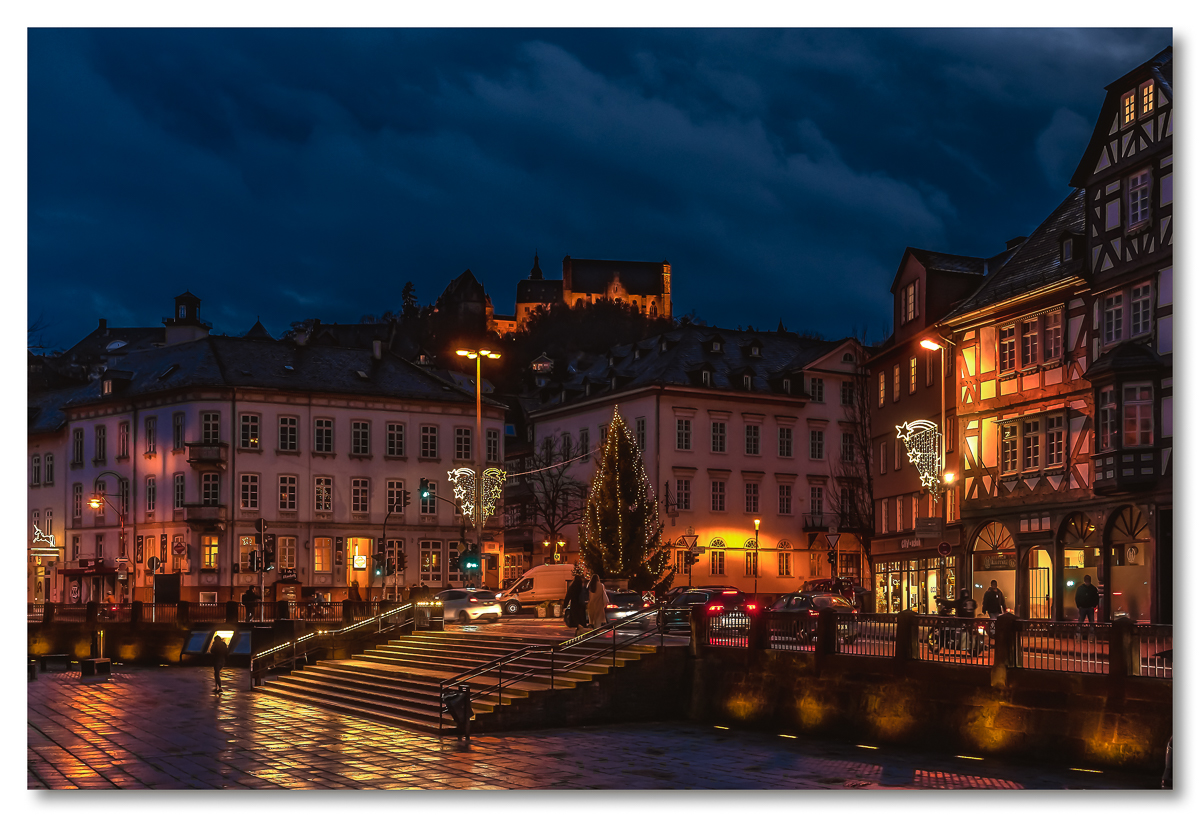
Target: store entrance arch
x,y
1127,565
1078,556
993,558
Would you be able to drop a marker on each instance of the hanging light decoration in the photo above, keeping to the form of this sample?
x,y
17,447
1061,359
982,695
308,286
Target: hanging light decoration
x,y
463,482
923,441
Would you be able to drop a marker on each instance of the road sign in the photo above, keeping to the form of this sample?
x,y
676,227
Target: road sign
x,y
699,550
833,539
832,529
944,549
179,548
688,541
152,563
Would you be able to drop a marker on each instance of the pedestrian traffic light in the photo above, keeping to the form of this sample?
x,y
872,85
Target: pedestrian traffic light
x,y
380,563
252,561
405,499
268,560
470,560
424,490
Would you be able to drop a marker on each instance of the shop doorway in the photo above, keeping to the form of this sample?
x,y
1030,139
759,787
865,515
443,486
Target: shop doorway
x,y
359,568
1039,598
993,558
1127,559
1080,556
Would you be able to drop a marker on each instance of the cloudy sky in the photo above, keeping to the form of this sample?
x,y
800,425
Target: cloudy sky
x,y
297,173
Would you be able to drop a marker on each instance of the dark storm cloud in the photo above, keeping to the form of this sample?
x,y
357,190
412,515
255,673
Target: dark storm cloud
x,y
302,173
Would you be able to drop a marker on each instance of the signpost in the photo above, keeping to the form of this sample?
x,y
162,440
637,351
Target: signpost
x,y
944,549
688,540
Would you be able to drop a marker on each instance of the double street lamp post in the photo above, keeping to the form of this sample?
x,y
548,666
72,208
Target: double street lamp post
x,y
478,355
99,499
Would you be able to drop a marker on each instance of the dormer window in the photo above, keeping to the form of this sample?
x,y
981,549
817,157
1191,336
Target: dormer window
x,y
787,385
587,391
1146,95
662,347
1068,250
755,351
746,381
706,378
716,345
106,387
909,310
637,354
848,357
182,311
1128,108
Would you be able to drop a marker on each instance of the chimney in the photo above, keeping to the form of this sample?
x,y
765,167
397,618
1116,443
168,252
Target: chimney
x,y
103,324
377,349
1015,242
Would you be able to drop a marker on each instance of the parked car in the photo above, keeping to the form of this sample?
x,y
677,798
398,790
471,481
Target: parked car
x,y
623,604
812,604
538,584
465,606
677,612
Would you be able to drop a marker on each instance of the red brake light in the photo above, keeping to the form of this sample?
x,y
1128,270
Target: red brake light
x,y
716,608
751,606
728,592
473,600
612,607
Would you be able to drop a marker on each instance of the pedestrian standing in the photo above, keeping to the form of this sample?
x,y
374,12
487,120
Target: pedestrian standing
x,y
993,601
1087,599
248,600
597,603
577,605
219,650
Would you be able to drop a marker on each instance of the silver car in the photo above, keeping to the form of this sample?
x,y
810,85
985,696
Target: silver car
x,y
465,606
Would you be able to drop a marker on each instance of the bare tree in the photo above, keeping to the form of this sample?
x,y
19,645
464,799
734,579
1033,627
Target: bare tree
x,y
555,499
854,466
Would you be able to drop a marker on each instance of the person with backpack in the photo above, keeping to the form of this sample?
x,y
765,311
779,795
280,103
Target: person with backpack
x,y
1087,599
993,601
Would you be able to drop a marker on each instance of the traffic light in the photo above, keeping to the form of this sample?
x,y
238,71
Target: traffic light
x,y
454,562
390,567
268,561
405,499
691,559
252,561
401,560
833,557
424,490
470,560
261,526
380,563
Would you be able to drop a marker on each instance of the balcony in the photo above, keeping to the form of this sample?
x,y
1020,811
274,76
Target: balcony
x,y
1119,472
208,455
205,514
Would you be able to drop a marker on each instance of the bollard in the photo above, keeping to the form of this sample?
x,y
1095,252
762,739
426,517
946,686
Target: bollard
x,y
135,613
1123,657
458,704
1004,650
906,636
699,624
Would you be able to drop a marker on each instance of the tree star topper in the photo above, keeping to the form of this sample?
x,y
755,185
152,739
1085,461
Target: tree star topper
x,y
463,480
923,441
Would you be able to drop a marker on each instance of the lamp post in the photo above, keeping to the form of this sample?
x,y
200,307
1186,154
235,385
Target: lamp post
x,y
99,499
931,345
757,522
478,355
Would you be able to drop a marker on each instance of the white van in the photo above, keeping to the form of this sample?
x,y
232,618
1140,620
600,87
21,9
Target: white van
x,y
538,584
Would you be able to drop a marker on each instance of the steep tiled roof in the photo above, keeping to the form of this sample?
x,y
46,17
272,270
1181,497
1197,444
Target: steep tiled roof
x,y
592,275
46,408
949,263
1035,263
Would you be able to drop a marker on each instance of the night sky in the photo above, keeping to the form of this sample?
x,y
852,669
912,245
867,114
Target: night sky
x,y
291,174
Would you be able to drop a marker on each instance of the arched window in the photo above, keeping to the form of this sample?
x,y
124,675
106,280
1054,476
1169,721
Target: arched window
x,y
994,536
717,542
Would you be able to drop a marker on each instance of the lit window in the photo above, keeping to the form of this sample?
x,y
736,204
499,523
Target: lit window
x,y
912,375
882,389
895,382
1008,449
1033,441
1147,95
322,554
716,562
323,494
1008,348
208,552
1128,108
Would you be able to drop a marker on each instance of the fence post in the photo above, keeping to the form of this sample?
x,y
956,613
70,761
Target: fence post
x,y
1004,651
135,613
282,610
699,622
92,611
183,613
1123,656
232,612
760,631
48,613
826,634
906,636
348,609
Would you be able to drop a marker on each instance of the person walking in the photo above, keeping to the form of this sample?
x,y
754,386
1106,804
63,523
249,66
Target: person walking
x,y
219,650
1087,599
248,600
993,601
597,603
577,605
354,598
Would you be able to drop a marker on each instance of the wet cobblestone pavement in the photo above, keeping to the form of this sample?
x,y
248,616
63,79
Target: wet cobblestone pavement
x,y
164,728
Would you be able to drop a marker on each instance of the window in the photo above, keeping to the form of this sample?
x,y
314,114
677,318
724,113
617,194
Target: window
x,y
752,440
816,388
1108,418
816,499
287,492
493,444
37,518
639,425
1137,403
785,500
77,447
882,389
360,495
101,444
718,438
360,438
1128,108
912,375
752,563
787,385
151,494
323,435
899,514
847,447
248,431
1008,449
123,441
785,442
250,492
1147,96
1052,335
1029,343
566,445
1112,214
209,549
395,496
429,503
429,442
603,435
49,529
816,444
882,522
48,474
77,501
785,564
1138,199
683,494
883,458
210,427
179,488
431,561
847,393
99,553
210,489
1032,454
908,303
718,495
1054,441
585,445
177,431
751,497
1166,189
1068,250
896,383
683,434
395,439
706,378
35,469
1139,310
151,435
323,494
746,382
1008,348
288,436
716,563
462,444
323,554
1112,317
285,552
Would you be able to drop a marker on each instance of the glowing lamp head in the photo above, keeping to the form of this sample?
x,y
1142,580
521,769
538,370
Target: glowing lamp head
x,y
930,345
948,477
95,503
757,522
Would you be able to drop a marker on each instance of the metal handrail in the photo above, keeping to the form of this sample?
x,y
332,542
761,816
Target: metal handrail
x,y
498,664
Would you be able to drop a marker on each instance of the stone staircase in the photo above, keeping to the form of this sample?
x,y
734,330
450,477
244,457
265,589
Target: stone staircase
x,y
397,682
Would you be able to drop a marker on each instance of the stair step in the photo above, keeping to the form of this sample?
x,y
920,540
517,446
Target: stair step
x,y
583,673
402,703
436,676
371,685
423,722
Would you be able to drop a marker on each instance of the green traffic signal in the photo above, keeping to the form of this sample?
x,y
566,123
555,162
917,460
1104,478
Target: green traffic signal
x,y
424,489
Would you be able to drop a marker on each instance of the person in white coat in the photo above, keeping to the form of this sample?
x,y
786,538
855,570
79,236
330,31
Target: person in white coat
x,y
597,604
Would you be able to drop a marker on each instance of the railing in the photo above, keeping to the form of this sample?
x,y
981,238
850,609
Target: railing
x,y
728,629
1063,647
258,611
866,634
207,613
536,657
1155,650
70,612
37,613
791,631
160,613
114,612
953,640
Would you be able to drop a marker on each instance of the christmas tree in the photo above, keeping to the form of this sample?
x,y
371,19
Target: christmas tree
x,y
621,534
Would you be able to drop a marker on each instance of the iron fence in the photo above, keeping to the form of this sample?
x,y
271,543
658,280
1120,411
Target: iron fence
x,y
953,640
207,613
114,612
37,613
1155,651
160,613
70,612
1063,646
866,634
730,629
792,632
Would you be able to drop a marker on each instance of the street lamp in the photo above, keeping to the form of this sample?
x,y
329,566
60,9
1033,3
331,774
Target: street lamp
x,y
99,499
931,345
757,522
478,355
558,546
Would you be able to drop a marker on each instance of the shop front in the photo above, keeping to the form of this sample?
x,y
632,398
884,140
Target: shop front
x,y
911,573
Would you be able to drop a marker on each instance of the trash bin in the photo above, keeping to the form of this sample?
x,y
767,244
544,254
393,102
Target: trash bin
x,y
556,610
541,610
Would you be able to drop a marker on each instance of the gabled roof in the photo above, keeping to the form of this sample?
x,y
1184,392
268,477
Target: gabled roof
x,y
258,332
942,262
593,275
1035,264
